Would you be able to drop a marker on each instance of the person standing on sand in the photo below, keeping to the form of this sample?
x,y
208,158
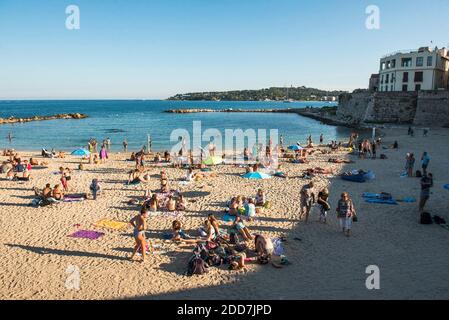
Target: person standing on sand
x,y
103,154
410,164
140,225
108,144
426,184
307,200
425,160
345,213
323,197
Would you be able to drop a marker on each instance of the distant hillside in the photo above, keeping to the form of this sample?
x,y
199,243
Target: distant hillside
x,y
276,94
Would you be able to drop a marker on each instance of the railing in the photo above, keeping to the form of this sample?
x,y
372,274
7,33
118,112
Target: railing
x,y
399,52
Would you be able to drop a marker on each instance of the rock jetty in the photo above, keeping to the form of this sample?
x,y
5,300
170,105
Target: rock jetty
x,y
42,118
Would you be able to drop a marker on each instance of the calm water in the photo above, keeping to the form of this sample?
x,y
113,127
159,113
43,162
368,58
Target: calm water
x,y
133,120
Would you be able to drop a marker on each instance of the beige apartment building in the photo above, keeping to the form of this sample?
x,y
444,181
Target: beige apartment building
x,y
423,69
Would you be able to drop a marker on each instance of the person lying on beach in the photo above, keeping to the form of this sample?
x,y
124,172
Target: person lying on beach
x,y
336,160
25,176
35,162
178,235
140,225
279,173
318,170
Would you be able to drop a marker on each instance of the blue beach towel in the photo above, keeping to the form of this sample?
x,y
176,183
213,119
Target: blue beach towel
x,y
446,187
382,201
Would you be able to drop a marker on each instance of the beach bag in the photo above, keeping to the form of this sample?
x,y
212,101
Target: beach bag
x,y
418,174
426,218
439,220
383,157
197,266
234,238
214,260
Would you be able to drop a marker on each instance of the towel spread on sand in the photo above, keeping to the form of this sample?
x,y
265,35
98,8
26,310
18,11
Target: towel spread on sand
x,y
87,234
73,199
111,224
446,187
228,218
166,214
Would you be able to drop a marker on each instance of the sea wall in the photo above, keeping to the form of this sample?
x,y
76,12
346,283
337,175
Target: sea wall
x,y
433,109
429,108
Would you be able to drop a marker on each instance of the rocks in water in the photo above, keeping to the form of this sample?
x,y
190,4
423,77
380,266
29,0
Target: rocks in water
x,y
41,118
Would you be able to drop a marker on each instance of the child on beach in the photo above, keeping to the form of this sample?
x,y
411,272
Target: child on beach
x,y
345,213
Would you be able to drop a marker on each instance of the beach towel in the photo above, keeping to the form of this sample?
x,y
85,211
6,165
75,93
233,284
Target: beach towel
x,y
384,196
228,218
277,244
73,198
354,178
87,234
404,174
446,187
166,214
382,201
111,224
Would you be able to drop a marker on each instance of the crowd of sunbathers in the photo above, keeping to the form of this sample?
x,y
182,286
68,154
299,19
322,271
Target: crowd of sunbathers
x,y
17,169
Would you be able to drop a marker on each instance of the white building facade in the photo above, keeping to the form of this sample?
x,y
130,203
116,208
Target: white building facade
x,y
424,69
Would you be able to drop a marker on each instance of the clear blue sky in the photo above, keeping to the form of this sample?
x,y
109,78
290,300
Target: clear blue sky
x,y
156,48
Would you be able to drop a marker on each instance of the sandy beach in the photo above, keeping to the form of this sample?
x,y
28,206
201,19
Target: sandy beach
x,y
36,249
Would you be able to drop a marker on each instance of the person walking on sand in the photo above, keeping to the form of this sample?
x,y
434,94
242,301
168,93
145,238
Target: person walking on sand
x,y
307,200
426,184
346,213
425,160
323,197
140,225
103,154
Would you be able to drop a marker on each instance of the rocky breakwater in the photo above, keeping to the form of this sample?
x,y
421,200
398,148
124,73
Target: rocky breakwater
x,y
42,118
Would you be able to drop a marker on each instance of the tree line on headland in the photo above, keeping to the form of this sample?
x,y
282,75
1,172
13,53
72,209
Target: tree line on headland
x,y
274,94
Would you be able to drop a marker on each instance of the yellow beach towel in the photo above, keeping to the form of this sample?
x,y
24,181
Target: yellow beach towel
x,y
111,224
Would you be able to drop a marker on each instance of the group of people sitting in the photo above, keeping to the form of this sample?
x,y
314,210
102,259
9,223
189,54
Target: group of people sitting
x,y
17,169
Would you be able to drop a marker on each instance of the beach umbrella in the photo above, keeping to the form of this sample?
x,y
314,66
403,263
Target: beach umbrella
x,y
295,148
80,152
212,161
257,176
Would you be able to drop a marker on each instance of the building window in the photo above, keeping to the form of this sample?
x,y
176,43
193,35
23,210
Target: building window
x,y
429,61
419,61
404,88
387,79
392,78
386,88
393,64
382,80
406,62
382,66
392,88
405,77
418,87
419,76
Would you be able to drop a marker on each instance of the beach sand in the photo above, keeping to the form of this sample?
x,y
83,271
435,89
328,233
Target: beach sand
x,y
37,253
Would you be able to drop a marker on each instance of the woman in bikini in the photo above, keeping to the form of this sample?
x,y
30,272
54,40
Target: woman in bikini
x,y
140,225
181,203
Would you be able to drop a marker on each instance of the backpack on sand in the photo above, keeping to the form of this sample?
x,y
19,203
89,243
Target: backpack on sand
x,y
426,218
197,266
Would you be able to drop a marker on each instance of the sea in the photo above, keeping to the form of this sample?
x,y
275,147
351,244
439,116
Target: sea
x,y
136,120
